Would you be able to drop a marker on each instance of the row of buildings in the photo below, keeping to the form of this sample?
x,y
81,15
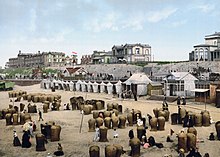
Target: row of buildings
x,y
128,53
44,59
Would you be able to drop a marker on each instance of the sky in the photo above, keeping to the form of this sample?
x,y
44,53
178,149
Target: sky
x,y
170,27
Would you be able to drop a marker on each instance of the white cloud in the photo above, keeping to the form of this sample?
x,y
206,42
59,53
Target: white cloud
x,y
156,16
206,8
178,23
107,22
135,22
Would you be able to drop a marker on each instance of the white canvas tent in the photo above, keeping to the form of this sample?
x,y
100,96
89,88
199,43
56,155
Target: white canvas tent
x,y
47,84
109,87
78,84
89,86
141,80
102,87
71,85
42,83
52,84
95,87
83,86
118,87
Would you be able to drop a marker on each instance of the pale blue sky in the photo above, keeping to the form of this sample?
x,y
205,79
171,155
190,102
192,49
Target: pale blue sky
x,y
171,27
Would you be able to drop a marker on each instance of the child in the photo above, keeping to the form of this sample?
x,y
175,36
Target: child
x,y
97,135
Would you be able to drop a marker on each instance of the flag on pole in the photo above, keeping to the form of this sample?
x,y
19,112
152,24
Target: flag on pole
x,y
75,53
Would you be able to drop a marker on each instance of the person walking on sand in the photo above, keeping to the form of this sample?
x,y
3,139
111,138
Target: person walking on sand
x,y
97,135
16,141
40,115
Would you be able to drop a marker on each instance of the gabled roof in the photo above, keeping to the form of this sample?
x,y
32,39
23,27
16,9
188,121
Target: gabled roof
x,y
138,78
72,70
138,44
181,75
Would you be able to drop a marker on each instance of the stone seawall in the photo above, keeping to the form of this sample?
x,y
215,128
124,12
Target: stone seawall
x,y
24,82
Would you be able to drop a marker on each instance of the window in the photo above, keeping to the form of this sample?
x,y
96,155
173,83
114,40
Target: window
x,y
206,54
147,52
196,57
201,54
182,87
137,50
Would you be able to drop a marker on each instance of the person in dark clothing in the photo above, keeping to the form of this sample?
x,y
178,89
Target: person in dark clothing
x,y
40,115
16,141
211,136
191,121
59,151
184,101
143,137
178,100
179,117
131,134
26,140
206,155
186,120
194,153
151,141
68,106
144,121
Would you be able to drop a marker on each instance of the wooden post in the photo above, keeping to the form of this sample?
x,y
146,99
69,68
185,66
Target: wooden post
x,y
82,112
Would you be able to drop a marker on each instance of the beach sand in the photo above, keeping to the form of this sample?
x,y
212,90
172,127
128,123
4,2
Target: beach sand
x,y
77,144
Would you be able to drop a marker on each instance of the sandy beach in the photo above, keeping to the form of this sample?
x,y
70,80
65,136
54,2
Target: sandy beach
x,y
77,144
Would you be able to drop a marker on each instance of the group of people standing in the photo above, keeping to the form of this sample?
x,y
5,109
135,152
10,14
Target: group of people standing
x,y
28,128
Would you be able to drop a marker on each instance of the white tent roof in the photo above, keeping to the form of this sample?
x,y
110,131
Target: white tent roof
x,y
138,78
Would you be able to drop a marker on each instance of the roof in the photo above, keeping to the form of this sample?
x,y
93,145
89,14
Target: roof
x,y
138,78
72,70
216,34
131,45
205,45
181,75
155,84
138,44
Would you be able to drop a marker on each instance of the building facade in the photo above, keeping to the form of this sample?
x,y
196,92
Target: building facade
x,y
39,59
210,51
99,57
86,59
132,53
